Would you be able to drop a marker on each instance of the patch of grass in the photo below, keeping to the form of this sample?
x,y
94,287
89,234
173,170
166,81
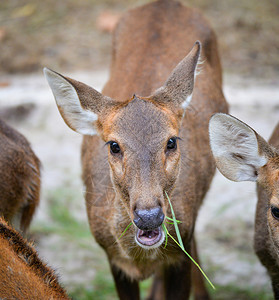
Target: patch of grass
x,y
102,288
228,292
145,286
64,223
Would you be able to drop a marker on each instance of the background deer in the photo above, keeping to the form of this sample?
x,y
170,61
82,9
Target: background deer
x,y
22,274
156,143
240,155
20,177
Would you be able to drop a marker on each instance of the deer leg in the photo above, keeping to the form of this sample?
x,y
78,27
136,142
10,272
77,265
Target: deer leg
x,y
177,280
157,288
275,287
200,292
127,289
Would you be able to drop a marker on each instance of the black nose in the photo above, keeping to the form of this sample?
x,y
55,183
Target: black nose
x,y
149,219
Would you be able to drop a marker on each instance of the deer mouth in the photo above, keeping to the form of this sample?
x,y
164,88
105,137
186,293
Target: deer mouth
x,y
149,239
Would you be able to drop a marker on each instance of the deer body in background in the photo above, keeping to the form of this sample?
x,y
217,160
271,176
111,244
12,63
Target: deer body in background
x,y
241,155
22,274
148,146
20,177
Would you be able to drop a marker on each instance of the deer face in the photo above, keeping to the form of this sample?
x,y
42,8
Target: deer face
x,y
141,135
143,154
269,180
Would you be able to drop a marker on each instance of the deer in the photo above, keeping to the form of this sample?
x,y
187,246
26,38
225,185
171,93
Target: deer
x,y
20,178
145,137
241,154
22,274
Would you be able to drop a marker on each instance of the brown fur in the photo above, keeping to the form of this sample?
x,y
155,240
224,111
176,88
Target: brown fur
x,y
149,59
243,155
20,177
266,226
148,43
22,274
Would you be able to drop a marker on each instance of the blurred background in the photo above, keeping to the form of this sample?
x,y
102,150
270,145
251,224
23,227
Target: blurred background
x,y
74,38
71,35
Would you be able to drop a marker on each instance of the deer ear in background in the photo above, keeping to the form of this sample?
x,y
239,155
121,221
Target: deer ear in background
x,y
238,150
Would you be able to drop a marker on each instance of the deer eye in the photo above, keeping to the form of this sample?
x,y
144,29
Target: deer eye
x,y
172,145
275,212
114,147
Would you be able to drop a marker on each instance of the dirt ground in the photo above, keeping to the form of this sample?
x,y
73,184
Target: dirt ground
x,y
225,223
74,35
37,33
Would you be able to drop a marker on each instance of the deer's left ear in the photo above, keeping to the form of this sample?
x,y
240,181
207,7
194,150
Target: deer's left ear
x,y
178,88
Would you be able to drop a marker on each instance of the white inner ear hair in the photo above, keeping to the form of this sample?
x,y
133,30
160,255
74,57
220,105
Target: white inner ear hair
x,y
78,118
186,102
239,142
198,71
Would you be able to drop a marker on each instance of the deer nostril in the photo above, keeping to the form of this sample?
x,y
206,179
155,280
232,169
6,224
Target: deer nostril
x,y
137,218
161,217
148,219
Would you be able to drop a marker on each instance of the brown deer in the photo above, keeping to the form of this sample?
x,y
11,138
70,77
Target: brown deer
x,y
22,274
241,154
20,177
148,146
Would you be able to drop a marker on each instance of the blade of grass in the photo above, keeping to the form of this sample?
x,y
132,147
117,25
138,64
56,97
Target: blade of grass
x,y
178,222
166,234
198,266
180,243
125,230
175,224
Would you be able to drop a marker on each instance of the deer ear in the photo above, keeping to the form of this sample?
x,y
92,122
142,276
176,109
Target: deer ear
x,y
179,86
238,150
78,104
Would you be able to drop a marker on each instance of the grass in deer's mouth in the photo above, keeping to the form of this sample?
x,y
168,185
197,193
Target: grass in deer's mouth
x,y
125,230
174,221
179,242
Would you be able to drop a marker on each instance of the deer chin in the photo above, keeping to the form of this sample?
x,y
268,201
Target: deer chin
x,y
150,239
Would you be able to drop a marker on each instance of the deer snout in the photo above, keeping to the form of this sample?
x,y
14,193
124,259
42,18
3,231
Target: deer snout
x,y
149,219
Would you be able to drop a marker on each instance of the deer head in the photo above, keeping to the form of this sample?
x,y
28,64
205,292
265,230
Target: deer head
x,y
241,154
142,139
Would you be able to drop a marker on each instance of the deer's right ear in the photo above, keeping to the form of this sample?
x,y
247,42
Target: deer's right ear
x,y
79,104
236,147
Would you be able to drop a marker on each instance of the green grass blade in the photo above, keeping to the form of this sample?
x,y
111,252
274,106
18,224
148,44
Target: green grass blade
x,y
170,219
125,230
180,243
198,266
166,234
175,225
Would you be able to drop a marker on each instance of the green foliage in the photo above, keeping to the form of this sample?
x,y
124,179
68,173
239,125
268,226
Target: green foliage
x,y
102,288
230,291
